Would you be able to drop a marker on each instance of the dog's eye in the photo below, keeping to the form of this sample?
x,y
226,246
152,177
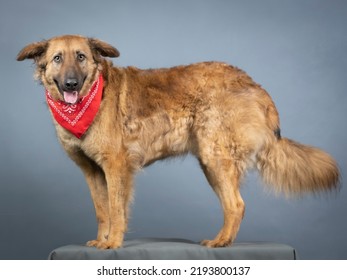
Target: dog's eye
x,y
81,57
57,59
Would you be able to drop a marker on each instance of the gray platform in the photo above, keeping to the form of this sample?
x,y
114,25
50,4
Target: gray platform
x,y
176,249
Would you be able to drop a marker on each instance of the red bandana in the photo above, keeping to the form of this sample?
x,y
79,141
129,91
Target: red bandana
x,y
77,118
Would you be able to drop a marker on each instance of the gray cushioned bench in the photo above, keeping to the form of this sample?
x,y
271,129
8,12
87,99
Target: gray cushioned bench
x,y
176,249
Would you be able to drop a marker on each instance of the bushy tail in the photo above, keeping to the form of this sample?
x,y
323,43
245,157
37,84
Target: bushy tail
x,y
294,168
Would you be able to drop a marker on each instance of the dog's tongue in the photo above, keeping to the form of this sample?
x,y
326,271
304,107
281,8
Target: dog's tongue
x,y
70,97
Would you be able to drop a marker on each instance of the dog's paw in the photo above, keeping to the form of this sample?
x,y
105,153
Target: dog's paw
x,y
216,243
104,244
92,243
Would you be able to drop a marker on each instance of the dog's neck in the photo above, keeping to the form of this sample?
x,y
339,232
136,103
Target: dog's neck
x,y
77,118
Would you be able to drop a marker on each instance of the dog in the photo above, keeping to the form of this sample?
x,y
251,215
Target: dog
x,y
113,121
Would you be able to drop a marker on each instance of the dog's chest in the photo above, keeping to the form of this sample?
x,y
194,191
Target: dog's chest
x,y
68,140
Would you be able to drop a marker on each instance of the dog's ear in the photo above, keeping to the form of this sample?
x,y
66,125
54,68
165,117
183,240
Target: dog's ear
x,y
102,48
33,51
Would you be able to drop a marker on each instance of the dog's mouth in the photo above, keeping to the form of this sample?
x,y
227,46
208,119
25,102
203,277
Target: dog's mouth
x,y
69,96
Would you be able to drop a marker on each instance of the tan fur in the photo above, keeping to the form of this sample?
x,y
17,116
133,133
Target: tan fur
x,y
212,110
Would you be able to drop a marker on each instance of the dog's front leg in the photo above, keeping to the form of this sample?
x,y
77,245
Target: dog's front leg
x,y
96,181
118,179
98,190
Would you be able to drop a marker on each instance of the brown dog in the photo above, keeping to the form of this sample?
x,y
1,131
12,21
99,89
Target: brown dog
x,y
212,110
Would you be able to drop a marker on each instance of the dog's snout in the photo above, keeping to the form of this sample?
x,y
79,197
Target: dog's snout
x,y
71,83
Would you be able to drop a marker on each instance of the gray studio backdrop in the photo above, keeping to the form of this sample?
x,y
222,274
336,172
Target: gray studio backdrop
x,y
294,49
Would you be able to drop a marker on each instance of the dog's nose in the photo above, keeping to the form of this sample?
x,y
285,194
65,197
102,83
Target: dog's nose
x,y
71,83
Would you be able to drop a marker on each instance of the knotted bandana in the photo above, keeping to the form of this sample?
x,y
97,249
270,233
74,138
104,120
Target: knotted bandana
x,y
77,118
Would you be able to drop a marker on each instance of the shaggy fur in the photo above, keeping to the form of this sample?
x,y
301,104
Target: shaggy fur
x,y
212,110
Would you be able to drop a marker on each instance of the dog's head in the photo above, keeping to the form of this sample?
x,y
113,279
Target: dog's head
x,y
68,65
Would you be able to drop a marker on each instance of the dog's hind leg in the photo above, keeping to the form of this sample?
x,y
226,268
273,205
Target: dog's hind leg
x,y
224,176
